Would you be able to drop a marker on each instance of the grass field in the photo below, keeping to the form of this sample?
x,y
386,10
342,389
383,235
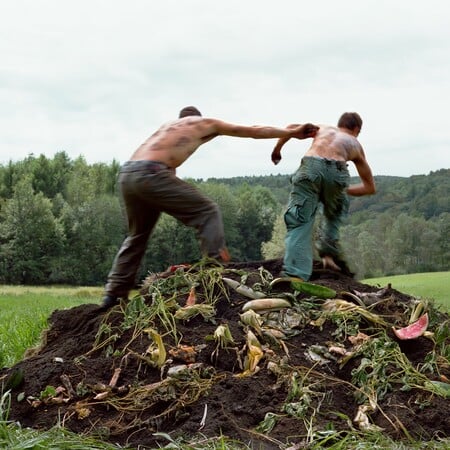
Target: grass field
x,y
430,285
24,311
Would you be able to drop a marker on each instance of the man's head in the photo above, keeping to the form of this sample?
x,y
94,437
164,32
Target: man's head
x,y
189,111
350,120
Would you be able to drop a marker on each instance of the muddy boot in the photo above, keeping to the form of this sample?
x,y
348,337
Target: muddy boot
x,y
109,301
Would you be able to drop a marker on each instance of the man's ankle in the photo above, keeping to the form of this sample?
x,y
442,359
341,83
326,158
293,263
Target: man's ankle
x,y
329,263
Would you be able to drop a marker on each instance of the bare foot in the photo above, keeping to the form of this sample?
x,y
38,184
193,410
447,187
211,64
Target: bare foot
x,y
328,263
224,255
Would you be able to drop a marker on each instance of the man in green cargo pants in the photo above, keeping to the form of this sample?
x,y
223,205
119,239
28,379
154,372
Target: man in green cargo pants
x,y
322,182
149,186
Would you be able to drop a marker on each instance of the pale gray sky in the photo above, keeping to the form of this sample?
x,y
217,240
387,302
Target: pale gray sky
x,y
96,77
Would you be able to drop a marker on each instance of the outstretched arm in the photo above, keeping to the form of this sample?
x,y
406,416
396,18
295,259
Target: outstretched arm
x,y
263,131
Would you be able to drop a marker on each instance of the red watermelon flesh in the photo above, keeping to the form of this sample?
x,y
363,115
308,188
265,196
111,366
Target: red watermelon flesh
x,y
414,330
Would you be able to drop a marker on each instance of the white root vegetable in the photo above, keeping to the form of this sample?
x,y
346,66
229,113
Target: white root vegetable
x,y
242,289
266,304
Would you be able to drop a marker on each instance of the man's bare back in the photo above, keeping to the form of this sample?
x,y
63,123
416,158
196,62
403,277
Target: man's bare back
x,y
176,141
340,144
332,143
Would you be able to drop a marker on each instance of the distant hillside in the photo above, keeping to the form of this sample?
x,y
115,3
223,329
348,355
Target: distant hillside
x,y
426,196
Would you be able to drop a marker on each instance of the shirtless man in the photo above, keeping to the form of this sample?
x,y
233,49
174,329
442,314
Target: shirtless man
x,y
323,179
149,186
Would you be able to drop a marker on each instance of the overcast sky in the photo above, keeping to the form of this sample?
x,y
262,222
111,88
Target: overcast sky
x,y
96,78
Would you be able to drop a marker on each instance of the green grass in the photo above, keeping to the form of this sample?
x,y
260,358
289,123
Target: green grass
x,y
14,437
24,313
430,285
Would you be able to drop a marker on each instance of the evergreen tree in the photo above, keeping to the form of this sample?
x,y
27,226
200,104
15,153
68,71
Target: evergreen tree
x,y
31,238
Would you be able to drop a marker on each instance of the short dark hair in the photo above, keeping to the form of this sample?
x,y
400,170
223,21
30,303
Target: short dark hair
x,y
350,120
189,111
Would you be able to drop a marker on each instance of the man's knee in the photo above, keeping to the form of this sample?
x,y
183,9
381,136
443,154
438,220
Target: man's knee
x,y
213,212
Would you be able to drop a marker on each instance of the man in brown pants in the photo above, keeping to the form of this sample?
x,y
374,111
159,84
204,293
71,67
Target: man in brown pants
x,y
149,186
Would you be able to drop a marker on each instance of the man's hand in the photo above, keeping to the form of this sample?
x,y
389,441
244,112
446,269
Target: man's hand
x,y
276,155
307,130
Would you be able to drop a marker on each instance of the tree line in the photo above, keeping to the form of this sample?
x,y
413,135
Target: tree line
x,y
61,223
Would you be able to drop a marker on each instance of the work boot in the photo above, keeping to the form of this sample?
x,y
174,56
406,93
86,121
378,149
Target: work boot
x,y
109,301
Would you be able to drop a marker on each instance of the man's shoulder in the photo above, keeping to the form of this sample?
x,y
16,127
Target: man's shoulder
x,y
186,123
327,128
188,120
347,138
197,127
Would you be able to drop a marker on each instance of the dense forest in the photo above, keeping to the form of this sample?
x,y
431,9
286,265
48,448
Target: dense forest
x,y
61,222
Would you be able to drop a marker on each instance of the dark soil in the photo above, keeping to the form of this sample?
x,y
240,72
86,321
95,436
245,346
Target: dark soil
x,y
231,405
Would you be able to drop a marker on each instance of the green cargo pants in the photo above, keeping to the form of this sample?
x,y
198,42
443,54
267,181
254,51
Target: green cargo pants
x,y
318,182
149,188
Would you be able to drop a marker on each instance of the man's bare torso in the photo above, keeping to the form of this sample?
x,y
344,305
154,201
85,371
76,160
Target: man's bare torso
x,y
332,143
175,141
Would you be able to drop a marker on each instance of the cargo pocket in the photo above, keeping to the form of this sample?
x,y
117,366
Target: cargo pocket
x,y
303,211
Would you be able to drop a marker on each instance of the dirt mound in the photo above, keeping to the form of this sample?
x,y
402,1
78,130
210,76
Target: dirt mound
x,y
191,365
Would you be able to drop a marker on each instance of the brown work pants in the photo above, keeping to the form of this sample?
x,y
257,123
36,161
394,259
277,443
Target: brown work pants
x,y
149,188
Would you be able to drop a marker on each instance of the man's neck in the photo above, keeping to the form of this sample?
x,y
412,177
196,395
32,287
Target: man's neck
x,y
354,132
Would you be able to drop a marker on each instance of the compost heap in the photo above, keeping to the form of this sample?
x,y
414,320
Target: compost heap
x,y
185,360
